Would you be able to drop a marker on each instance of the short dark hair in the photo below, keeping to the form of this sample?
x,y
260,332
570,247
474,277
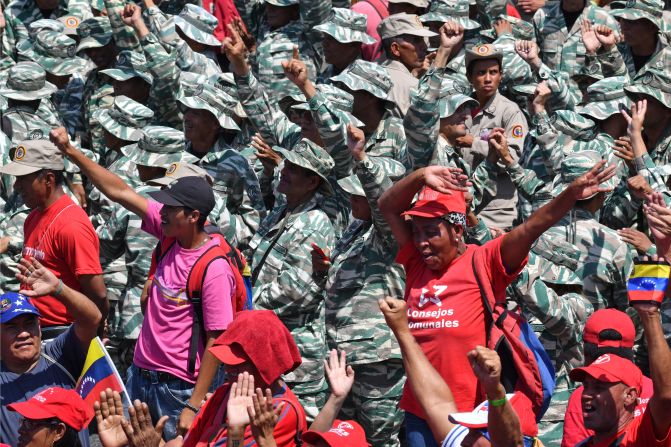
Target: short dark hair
x,y
59,176
469,67
386,45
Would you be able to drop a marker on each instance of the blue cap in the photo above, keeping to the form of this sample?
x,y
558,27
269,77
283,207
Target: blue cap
x,y
13,304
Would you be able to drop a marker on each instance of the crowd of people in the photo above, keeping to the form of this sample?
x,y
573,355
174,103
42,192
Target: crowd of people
x,y
337,223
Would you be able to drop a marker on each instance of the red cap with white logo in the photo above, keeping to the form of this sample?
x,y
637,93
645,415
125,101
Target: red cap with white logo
x,y
341,434
55,402
610,368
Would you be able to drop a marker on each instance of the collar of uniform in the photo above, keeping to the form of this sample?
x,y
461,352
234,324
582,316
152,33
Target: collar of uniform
x,y
446,147
490,106
311,204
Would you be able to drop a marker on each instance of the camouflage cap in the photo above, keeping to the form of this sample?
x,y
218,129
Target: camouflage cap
x,y
282,2
525,89
450,10
129,64
125,119
346,26
159,146
178,170
521,29
214,100
45,24
32,156
70,24
575,165
573,124
341,99
308,155
651,10
605,98
450,102
226,82
95,32
392,169
368,76
402,24
418,3
26,81
54,51
482,52
652,82
198,24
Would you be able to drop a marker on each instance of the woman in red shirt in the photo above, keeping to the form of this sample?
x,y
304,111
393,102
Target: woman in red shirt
x,y
445,310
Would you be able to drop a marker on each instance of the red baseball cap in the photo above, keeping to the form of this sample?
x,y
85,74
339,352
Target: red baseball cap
x,y
610,319
232,354
55,402
521,404
431,203
341,434
610,368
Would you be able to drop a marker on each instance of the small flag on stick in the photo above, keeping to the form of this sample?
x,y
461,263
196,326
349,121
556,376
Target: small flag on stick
x,y
98,374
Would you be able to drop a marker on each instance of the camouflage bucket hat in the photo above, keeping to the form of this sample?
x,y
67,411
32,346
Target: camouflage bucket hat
x,y
45,24
653,82
418,3
198,24
341,99
70,24
346,26
575,165
26,81
95,32
642,9
450,10
226,82
178,170
54,51
129,64
605,97
158,146
282,2
527,90
215,101
125,119
573,124
308,155
392,168
364,75
448,104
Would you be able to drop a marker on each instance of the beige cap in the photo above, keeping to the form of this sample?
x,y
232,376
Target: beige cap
x,y
402,24
418,3
34,155
178,170
484,51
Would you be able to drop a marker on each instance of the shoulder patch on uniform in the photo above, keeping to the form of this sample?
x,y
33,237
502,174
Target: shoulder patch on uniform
x,y
517,131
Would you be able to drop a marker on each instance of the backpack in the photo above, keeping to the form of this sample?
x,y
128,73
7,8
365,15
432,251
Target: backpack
x,y
241,300
525,366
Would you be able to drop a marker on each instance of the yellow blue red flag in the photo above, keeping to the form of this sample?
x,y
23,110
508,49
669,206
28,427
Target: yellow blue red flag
x,y
98,374
648,281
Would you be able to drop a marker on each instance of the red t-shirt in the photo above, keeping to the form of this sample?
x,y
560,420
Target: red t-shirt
x,y
574,427
209,427
446,316
62,238
638,433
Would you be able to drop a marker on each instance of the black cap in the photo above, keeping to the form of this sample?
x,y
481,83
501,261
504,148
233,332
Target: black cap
x,y
191,192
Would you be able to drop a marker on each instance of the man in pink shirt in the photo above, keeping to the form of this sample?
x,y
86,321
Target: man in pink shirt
x,y
160,375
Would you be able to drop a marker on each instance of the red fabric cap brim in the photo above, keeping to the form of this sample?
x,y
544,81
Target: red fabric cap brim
x,y
31,410
227,356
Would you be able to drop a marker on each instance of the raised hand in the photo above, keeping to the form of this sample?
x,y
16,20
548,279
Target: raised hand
x,y
486,366
589,38
140,431
395,313
541,96
659,221
240,397
499,143
607,37
356,141
451,34
131,14
266,155
589,184
636,239
622,149
41,280
445,180
245,35
236,51
109,415
639,187
295,70
263,417
637,117
59,136
339,374
528,50
502,26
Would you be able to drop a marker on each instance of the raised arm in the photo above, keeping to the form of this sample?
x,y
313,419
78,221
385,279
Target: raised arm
x,y
516,244
108,183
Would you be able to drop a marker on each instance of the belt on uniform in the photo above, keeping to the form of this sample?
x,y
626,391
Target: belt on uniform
x,y
160,375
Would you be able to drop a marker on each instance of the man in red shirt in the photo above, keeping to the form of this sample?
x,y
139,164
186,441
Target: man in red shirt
x,y
607,331
57,232
445,310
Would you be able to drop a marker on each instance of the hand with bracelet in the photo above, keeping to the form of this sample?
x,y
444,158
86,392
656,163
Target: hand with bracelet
x,y
41,280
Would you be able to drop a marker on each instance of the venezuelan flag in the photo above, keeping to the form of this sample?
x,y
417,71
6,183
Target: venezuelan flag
x,y
98,374
648,282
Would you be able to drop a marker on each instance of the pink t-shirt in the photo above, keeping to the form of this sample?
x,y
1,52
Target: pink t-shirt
x,y
163,344
371,52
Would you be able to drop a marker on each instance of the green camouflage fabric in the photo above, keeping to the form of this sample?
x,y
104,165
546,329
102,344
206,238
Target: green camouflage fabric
x,y
158,146
237,187
129,64
55,52
653,82
367,76
124,36
562,49
198,24
346,26
450,10
308,155
23,122
285,284
19,14
650,10
549,292
95,32
126,118
575,165
604,98
11,226
163,27
214,100
623,60
26,81
522,30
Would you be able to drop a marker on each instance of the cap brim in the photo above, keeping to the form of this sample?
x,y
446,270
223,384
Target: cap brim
x,y
470,420
20,95
199,36
92,42
122,132
664,98
161,181
122,75
145,158
600,110
313,437
31,410
347,36
637,14
9,316
193,102
17,169
298,161
226,355
165,198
